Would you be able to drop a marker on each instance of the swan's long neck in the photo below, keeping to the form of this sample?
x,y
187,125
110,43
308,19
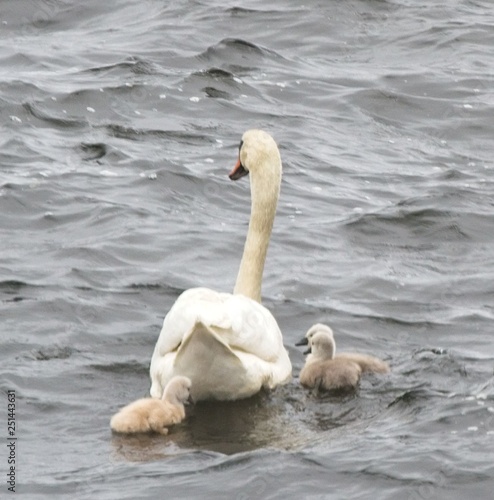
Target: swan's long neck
x,y
265,189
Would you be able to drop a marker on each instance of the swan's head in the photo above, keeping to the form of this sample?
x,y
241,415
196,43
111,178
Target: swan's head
x,y
322,345
318,327
177,391
257,151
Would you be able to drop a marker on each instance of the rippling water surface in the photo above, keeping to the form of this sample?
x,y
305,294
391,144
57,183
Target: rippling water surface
x,y
119,123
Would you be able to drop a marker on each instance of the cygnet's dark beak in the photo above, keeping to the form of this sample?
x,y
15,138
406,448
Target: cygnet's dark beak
x,y
308,351
303,341
238,171
190,400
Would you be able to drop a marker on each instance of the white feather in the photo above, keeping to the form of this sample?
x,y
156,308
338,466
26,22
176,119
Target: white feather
x,y
228,345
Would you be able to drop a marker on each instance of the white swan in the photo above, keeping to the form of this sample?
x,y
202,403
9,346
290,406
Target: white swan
x,y
230,346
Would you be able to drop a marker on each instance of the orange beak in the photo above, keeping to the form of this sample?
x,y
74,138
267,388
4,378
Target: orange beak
x,y
238,171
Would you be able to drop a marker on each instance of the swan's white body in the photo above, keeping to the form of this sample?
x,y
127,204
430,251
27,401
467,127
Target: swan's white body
x,y
229,345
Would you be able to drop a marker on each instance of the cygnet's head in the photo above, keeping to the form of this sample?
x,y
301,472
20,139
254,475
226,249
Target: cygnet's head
x,y
322,345
318,327
257,150
177,391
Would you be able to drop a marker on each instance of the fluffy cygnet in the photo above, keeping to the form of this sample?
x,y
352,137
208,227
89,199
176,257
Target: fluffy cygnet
x,y
324,370
154,415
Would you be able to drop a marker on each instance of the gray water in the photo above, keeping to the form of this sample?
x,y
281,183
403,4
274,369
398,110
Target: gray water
x,y
119,124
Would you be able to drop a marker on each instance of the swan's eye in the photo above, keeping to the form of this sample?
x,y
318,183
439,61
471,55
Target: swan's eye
x,y
238,170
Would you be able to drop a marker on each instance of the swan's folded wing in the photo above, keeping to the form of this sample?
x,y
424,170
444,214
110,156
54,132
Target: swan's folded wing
x,y
228,345
253,329
194,305
242,323
207,360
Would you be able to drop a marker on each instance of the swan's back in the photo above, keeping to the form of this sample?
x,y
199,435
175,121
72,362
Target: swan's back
x,y
229,346
241,322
